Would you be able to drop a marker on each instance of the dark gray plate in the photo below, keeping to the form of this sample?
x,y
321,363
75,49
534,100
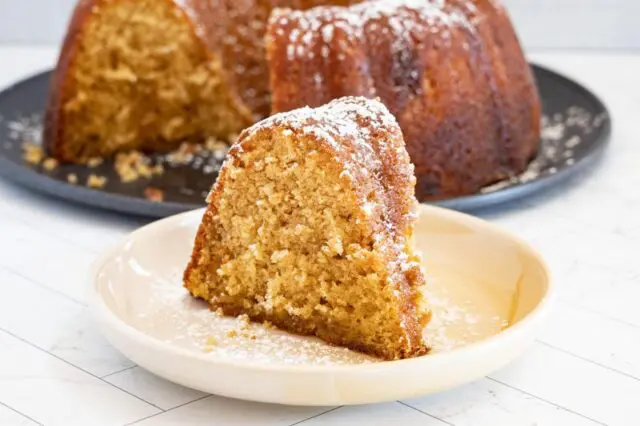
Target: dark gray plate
x,y
576,128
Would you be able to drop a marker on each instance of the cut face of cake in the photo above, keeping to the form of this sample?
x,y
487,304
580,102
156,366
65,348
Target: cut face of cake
x,y
150,74
137,75
309,227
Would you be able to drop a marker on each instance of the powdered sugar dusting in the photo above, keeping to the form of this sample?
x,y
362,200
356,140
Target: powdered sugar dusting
x,y
340,123
173,316
561,134
401,19
26,129
340,117
462,313
170,314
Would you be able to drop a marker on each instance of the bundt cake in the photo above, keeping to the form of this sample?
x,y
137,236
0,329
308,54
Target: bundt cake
x,y
451,71
149,74
309,225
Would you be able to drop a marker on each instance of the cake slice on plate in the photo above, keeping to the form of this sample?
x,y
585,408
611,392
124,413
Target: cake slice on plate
x,y
309,227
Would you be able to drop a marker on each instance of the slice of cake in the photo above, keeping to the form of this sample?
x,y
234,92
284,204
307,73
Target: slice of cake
x,y
309,227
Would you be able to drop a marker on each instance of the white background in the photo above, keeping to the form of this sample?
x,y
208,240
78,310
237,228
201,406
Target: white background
x,y
542,24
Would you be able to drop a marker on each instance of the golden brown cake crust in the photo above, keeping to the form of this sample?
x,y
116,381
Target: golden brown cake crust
x,y
60,82
243,47
452,72
365,140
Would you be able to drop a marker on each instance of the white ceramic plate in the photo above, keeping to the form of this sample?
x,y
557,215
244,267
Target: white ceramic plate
x,y
488,289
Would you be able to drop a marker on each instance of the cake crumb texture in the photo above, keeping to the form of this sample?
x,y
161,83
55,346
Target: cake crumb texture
x,y
137,75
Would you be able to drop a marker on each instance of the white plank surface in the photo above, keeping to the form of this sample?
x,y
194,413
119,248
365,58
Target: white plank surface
x,y
10,417
576,384
55,367
53,392
151,388
64,327
392,413
218,411
487,402
609,342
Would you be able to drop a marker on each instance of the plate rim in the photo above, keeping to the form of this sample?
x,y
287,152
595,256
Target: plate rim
x,y
138,206
479,200
107,318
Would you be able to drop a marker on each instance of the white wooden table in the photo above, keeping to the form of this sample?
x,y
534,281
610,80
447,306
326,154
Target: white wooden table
x,y
56,369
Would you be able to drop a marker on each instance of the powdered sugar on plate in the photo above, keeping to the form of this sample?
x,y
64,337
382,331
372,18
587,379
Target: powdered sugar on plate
x,y
561,134
175,317
172,315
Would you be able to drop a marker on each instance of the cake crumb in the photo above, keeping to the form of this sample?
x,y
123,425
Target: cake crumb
x,y
124,166
94,162
95,181
242,329
50,164
32,153
244,321
210,344
72,178
213,144
183,154
219,312
157,170
154,194
134,165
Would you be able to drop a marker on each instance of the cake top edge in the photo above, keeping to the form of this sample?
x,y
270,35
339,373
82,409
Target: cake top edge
x,y
353,117
443,13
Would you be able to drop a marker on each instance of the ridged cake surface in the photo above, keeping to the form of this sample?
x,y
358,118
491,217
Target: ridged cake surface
x,y
451,71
